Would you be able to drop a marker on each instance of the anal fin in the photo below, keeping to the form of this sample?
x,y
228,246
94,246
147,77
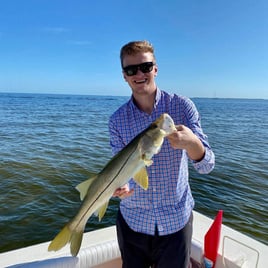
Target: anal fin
x,y
141,178
101,211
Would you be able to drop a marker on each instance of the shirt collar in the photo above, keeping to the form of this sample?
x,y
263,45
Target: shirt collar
x,y
157,97
156,101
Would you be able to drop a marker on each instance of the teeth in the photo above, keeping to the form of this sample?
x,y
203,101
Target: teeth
x,y
140,81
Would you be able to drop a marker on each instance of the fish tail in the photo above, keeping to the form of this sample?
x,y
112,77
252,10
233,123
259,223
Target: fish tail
x,y
74,236
61,239
76,241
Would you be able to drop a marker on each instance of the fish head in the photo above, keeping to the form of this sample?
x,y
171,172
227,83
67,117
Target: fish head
x,y
166,123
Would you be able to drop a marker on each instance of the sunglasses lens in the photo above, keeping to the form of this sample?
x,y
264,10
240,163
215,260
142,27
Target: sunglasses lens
x,y
131,70
145,67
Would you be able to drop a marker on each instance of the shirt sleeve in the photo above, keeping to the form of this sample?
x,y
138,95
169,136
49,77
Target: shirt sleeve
x,y
207,164
193,121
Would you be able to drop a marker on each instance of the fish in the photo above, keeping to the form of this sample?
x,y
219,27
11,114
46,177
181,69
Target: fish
x,y
95,193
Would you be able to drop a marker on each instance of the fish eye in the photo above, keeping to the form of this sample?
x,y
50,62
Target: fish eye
x,y
154,125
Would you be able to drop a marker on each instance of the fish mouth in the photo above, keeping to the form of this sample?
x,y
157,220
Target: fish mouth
x,y
168,124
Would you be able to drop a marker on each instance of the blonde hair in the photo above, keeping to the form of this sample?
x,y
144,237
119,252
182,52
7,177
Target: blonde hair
x,y
135,47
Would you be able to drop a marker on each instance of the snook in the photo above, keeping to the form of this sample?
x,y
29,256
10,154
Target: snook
x,y
96,192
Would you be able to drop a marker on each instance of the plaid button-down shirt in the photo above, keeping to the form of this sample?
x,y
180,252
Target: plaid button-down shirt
x,y
168,202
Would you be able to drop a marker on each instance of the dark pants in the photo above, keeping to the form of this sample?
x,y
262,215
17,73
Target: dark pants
x,y
142,251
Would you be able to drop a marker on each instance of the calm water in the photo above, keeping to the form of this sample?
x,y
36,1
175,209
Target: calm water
x,y
50,143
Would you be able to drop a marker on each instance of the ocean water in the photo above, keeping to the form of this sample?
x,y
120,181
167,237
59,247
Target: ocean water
x,y
50,143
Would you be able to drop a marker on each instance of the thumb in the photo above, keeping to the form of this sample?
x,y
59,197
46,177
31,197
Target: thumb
x,y
179,127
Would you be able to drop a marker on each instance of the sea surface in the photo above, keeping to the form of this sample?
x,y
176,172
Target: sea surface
x,y
50,143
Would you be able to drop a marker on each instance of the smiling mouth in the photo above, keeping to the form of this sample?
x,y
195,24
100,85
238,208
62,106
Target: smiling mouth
x,y
140,81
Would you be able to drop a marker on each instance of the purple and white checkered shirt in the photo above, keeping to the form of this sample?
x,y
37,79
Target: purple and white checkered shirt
x,y
168,202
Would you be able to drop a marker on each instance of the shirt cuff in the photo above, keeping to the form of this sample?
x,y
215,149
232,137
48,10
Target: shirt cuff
x,y
207,164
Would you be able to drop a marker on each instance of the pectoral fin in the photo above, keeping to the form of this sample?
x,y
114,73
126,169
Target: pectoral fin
x,y
147,162
83,187
101,211
141,178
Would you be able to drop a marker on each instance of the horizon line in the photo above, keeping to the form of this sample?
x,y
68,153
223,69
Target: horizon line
x,y
104,95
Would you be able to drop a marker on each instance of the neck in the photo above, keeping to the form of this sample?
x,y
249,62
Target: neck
x,y
145,102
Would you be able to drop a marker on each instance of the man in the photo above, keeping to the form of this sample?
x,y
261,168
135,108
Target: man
x,y
154,227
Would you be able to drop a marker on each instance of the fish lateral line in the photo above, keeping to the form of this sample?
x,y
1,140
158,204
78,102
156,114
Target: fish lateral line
x,y
107,186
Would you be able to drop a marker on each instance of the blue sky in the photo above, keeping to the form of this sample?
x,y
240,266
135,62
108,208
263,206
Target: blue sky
x,y
203,48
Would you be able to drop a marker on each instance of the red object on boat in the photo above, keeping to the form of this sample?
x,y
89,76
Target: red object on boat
x,y
212,238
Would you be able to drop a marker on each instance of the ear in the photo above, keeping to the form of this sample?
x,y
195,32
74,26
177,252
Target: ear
x,y
124,76
155,70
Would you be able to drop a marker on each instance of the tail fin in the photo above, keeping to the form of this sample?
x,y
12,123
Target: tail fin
x,y
76,241
67,235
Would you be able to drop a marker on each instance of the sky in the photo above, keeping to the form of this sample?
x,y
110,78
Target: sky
x,y
203,48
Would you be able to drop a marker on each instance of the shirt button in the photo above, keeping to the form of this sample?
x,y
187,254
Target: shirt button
x,y
154,189
155,206
160,228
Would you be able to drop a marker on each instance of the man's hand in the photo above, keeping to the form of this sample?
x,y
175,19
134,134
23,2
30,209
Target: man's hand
x,y
123,192
185,139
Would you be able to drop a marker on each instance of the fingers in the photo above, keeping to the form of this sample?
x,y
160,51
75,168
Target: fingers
x,y
126,194
123,192
117,192
179,139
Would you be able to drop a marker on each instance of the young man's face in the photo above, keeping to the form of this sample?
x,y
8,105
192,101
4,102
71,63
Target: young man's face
x,y
142,79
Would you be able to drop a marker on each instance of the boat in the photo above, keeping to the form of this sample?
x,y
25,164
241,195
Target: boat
x,y
100,250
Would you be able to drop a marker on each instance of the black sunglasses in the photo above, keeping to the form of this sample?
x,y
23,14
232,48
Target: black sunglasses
x,y
145,67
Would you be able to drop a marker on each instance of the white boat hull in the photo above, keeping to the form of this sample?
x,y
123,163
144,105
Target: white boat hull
x,y
100,249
